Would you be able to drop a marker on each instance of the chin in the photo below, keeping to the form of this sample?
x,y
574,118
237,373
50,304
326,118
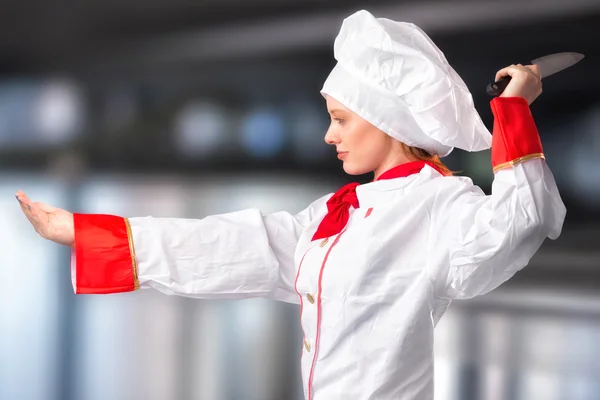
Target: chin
x,y
353,169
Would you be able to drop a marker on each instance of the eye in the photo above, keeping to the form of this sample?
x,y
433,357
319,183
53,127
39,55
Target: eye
x,y
339,120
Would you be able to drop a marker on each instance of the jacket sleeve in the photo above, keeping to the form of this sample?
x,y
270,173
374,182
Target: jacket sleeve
x,y
236,255
490,238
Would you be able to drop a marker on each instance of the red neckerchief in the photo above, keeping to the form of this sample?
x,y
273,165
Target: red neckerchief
x,y
338,206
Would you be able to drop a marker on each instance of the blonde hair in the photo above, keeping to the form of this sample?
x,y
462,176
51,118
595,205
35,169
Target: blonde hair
x,y
418,154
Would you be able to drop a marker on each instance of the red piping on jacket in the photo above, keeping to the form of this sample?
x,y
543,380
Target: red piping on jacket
x,y
301,300
316,349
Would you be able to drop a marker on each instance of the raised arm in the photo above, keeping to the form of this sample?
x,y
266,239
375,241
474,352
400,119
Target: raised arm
x,y
490,238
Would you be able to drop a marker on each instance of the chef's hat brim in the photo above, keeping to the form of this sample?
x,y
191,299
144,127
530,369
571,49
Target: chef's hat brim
x,y
377,106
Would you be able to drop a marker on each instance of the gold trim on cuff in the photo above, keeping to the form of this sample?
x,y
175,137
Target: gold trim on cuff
x,y
510,164
136,282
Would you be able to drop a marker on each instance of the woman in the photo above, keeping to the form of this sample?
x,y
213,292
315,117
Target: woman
x,y
373,267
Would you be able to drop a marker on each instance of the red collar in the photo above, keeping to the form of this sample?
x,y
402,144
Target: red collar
x,y
338,206
406,169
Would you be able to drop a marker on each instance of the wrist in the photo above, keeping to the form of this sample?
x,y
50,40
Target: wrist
x,y
515,136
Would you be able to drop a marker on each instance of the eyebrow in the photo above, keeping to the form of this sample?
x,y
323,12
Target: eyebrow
x,y
335,110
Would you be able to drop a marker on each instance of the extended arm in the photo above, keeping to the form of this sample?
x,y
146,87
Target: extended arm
x,y
235,255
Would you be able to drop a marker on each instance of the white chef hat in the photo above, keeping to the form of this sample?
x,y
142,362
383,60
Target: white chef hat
x,y
392,75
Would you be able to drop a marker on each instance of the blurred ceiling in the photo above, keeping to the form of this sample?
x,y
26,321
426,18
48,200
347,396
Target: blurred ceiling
x,y
44,35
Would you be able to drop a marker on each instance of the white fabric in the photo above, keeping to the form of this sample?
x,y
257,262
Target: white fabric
x,y
384,286
392,75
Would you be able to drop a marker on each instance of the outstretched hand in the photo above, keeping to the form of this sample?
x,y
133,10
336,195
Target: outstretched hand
x,y
525,81
49,222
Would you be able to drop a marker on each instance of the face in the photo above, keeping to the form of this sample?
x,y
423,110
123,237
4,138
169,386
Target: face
x,y
361,146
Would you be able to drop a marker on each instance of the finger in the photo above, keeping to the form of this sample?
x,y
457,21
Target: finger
x,y
32,212
37,213
28,211
31,216
511,71
39,218
23,201
20,196
507,71
535,69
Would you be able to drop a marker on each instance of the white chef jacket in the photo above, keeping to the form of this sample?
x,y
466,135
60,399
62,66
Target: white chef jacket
x,y
371,295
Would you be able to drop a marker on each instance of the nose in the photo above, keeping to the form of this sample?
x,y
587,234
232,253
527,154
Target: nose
x,y
331,137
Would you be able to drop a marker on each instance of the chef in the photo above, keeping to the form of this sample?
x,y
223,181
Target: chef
x,y
373,267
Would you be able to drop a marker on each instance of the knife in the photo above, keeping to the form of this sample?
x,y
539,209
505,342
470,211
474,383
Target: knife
x,y
548,65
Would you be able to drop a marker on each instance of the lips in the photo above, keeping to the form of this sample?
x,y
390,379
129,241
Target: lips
x,y
342,154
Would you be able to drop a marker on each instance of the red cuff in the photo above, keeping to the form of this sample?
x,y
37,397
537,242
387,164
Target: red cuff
x,y
515,138
104,255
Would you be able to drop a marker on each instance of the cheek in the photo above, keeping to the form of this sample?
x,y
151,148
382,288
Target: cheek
x,y
366,146
358,138
369,141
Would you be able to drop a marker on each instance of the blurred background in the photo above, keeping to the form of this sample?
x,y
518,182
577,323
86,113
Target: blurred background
x,y
179,108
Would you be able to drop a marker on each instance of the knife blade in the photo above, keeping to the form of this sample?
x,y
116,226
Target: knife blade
x,y
554,63
548,65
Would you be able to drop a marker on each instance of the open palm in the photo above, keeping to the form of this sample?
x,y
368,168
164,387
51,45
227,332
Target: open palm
x,y
51,223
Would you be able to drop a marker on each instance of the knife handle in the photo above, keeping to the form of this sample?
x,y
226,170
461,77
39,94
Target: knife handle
x,y
496,88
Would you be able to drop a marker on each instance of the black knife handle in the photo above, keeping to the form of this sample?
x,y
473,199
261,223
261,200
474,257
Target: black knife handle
x,y
496,88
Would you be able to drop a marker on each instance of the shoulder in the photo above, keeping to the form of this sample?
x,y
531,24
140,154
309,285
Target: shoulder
x,y
450,185
452,192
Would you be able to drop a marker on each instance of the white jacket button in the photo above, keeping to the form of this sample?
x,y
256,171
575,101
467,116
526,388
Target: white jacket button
x,y
310,298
